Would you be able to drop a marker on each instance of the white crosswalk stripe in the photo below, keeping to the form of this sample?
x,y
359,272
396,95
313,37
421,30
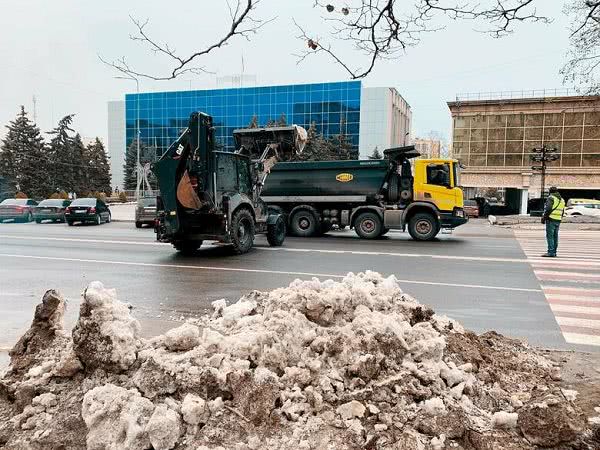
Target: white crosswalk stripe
x,y
570,282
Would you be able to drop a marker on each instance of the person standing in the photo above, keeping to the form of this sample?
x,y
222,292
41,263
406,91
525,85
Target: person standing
x,y
554,210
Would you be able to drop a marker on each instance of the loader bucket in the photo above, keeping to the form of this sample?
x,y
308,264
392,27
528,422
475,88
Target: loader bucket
x,y
286,141
186,194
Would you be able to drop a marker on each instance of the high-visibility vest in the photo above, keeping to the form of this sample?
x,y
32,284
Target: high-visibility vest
x,y
558,208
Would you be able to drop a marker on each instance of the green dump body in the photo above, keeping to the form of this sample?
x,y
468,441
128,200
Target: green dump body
x,y
327,178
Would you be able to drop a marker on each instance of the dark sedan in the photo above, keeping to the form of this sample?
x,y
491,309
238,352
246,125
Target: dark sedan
x,y
471,208
17,209
51,209
87,210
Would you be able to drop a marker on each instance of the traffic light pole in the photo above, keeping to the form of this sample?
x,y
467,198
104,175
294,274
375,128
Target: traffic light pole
x,y
543,155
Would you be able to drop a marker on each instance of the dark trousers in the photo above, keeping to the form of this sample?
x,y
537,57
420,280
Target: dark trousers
x,y
552,227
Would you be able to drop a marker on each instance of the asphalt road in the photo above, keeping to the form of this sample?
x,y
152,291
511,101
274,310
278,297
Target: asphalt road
x,y
479,275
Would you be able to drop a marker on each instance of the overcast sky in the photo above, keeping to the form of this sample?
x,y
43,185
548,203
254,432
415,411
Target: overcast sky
x,y
49,49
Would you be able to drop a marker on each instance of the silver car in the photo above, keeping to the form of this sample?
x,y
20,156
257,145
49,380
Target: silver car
x,y
145,211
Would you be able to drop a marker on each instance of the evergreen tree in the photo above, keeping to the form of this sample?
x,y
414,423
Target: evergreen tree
x,y
80,166
23,161
282,121
316,148
62,167
271,123
376,154
99,178
340,146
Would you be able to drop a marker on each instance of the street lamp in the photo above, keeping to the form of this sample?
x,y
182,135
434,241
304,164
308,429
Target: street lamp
x,y
137,164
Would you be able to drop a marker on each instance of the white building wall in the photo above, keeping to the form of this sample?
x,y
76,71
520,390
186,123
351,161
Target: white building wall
x,y
116,141
385,120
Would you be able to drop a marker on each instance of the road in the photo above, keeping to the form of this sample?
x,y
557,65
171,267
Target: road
x,y
480,275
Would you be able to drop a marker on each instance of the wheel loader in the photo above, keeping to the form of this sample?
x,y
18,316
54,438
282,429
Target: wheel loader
x,y
209,194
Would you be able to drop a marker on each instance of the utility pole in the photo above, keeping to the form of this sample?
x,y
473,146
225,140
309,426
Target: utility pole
x,y
543,155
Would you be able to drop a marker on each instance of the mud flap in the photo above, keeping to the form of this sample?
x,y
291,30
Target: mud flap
x,y
186,195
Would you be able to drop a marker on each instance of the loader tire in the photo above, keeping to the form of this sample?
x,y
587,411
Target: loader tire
x,y
276,232
423,227
186,247
242,231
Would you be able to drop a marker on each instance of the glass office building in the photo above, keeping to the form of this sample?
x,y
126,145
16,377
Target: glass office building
x,y
334,107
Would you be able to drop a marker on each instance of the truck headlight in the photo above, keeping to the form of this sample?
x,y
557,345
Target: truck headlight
x,y
459,213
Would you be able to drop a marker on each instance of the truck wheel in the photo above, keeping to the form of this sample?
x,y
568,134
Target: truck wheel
x,y
138,224
304,223
276,233
242,231
423,227
393,190
368,225
187,247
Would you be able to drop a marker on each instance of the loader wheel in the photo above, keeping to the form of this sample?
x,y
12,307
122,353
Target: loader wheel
x,y
423,227
276,233
242,231
187,248
38,220
368,225
138,224
304,223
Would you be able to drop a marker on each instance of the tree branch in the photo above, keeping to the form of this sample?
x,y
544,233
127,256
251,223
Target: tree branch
x,y
243,24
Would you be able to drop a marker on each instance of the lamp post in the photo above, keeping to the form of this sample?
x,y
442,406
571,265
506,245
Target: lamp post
x,y
137,126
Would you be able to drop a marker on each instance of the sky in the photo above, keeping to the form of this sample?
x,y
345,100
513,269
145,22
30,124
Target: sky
x,y
49,50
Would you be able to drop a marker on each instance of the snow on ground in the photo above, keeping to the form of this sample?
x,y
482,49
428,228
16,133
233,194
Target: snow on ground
x,y
315,365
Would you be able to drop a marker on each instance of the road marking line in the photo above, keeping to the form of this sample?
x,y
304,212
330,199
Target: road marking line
x,y
592,298
279,272
562,308
567,274
575,328
571,290
291,249
586,317
581,339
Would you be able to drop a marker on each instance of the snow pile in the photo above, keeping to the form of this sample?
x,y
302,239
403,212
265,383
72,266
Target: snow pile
x,y
315,365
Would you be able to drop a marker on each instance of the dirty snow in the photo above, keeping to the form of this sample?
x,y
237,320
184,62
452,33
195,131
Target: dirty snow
x,y
315,365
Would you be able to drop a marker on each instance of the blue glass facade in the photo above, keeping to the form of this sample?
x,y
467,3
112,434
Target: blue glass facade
x,y
163,115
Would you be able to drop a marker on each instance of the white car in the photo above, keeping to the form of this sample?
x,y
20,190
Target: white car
x,y
589,209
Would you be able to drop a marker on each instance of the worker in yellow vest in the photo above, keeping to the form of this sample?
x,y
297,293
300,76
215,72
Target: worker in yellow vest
x,y
554,210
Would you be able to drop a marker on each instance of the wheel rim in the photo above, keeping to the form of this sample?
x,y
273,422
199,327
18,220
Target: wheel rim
x,y
423,227
368,225
244,232
98,221
304,223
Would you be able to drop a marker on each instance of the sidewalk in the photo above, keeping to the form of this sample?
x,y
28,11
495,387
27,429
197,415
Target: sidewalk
x,y
122,212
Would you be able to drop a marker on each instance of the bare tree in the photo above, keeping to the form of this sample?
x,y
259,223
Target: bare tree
x,y
581,68
243,24
376,29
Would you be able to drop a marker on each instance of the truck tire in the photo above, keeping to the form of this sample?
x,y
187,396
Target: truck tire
x,y
187,247
304,223
423,227
242,231
384,231
276,233
138,224
368,225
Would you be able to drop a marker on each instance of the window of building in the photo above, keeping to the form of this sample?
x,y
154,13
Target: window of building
x,y
592,118
591,132
592,146
496,147
573,133
571,147
516,120
479,122
591,160
555,133
495,160
515,134
534,133
461,122
573,119
476,160
555,120
478,134
514,146
513,160
534,120
570,160
496,134
478,147
461,134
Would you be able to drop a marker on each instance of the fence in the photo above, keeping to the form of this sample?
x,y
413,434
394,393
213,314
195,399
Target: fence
x,y
511,95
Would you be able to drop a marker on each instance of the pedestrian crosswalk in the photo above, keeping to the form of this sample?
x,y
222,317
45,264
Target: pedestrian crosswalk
x,y
570,282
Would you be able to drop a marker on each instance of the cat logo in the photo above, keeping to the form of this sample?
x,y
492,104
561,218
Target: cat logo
x,y
344,177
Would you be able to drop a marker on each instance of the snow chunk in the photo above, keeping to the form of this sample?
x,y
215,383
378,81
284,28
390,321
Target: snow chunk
x,y
351,410
503,419
434,406
182,338
194,409
164,428
105,335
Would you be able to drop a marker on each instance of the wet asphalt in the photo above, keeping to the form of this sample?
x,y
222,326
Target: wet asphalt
x,y
478,275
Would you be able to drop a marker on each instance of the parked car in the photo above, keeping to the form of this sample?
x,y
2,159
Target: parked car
x,y
579,201
590,209
87,210
17,209
51,209
145,211
471,208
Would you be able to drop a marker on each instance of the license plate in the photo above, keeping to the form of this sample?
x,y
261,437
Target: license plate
x,y
79,212
46,210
